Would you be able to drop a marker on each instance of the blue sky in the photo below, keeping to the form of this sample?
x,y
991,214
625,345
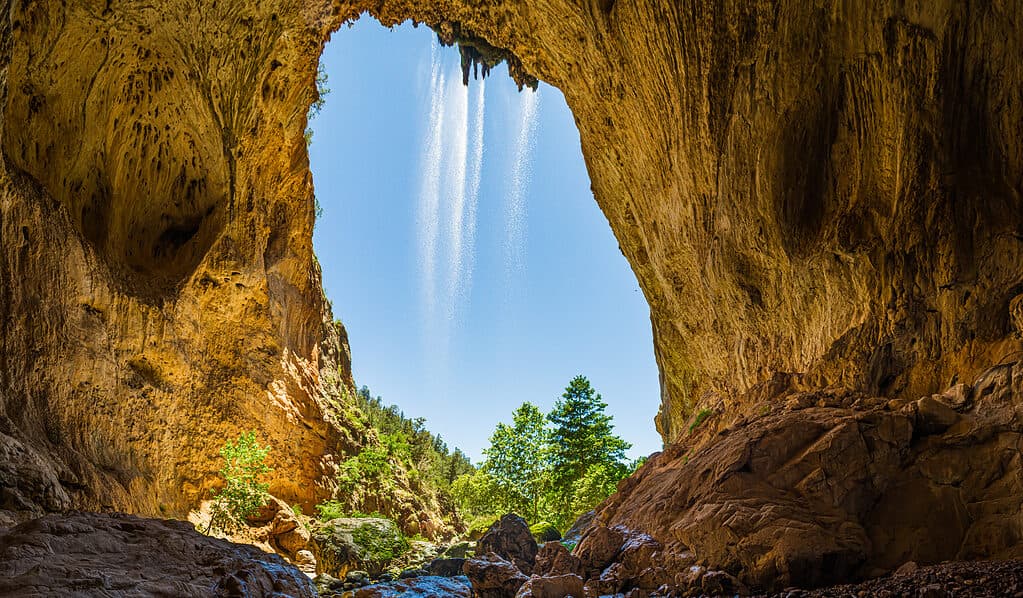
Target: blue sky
x,y
470,264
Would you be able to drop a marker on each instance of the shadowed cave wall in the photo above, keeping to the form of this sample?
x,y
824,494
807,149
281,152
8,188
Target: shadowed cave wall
x,y
829,188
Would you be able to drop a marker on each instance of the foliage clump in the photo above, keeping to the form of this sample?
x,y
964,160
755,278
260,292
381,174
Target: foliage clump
x,y
401,460
550,468
243,493
700,417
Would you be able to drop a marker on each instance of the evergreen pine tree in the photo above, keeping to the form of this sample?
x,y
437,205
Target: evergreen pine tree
x,y
582,437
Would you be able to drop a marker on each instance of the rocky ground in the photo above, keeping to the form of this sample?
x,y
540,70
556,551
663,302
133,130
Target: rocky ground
x,y
980,579
113,555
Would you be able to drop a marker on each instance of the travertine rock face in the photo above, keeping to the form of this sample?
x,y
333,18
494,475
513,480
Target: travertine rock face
x,y
831,486
832,188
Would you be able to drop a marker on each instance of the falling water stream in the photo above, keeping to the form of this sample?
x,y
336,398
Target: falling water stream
x,y
451,172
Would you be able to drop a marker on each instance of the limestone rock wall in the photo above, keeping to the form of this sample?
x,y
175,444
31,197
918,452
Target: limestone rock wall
x,y
158,290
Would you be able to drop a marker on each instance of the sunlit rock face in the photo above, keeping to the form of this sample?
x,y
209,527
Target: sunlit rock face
x,y
159,291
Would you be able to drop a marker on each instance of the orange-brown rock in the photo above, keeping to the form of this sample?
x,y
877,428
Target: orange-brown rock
x,y
158,289
830,189
557,586
492,576
834,487
833,189
510,538
92,554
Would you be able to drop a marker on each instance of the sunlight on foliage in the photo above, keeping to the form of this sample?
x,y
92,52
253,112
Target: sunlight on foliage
x,y
700,417
243,493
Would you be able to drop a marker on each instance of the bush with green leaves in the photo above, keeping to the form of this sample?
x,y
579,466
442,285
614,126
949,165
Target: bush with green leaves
x,y
329,510
700,417
243,492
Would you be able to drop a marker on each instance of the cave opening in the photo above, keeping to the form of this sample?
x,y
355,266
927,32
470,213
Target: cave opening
x,y
461,245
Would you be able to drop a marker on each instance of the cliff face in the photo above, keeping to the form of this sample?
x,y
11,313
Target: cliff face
x,y
826,188
158,289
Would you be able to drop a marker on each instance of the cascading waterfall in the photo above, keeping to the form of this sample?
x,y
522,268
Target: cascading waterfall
x,y
449,192
515,203
472,198
430,188
456,138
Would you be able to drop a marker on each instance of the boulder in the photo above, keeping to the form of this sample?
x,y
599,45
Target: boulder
x,y
79,554
493,577
458,550
419,587
579,527
287,533
717,583
368,543
553,558
445,567
510,538
544,532
305,561
934,416
559,586
599,547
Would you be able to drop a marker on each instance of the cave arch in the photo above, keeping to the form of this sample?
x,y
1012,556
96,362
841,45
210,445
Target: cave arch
x,y
916,251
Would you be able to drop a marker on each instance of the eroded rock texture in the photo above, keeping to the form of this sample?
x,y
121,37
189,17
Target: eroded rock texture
x,y
90,554
832,189
831,486
158,291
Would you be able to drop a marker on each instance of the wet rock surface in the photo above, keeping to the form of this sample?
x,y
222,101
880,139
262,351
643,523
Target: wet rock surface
x,y
90,554
493,577
424,587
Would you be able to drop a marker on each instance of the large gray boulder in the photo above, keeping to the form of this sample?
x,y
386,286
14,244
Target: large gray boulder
x,y
349,543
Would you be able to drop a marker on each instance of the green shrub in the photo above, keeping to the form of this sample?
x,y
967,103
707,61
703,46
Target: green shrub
x,y
243,493
329,510
377,547
700,417
480,525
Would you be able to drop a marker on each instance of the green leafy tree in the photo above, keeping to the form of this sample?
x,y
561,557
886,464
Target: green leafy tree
x,y
478,495
243,493
599,482
518,460
582,438
400,447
